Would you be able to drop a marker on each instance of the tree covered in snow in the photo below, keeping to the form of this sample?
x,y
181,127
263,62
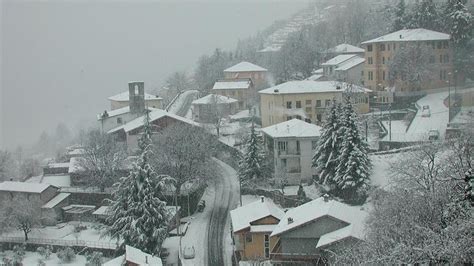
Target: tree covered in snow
x,y
328,147
23,215
6,163
102,159
137,215
253,162
179,81
353,164
425,15
459,22
400,22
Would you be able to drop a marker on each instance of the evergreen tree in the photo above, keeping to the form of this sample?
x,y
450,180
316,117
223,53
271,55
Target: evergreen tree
x,y
137,215
400,21
352,173
460,23
252,165
327,150
425,15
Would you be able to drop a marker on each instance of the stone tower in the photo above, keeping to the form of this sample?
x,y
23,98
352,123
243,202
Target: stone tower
x,y
136,94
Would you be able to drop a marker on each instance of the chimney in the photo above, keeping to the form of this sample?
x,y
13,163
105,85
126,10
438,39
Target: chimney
x,y
326,197
290,220
136,97
262,198
146,259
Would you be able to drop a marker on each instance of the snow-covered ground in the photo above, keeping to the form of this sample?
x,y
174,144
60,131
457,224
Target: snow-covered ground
x,y
32,258
419,128
381,175
64,234
180,101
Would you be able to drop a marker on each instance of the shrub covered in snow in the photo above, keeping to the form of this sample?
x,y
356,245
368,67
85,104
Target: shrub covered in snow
x,y
94,258
45,252
66,255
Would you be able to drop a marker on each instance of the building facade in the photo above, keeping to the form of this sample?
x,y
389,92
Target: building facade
x,y
240,89
292,144
380,52
211,107
307,100
246,70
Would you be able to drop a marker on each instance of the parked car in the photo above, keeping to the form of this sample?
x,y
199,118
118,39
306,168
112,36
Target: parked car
x,y
433,134
425,111
201,206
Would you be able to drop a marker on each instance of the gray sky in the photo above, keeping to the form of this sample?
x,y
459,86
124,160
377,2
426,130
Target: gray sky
x,y
62,59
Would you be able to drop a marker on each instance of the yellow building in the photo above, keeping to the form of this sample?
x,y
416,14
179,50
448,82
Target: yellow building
x,y
380,52
307,100
252,225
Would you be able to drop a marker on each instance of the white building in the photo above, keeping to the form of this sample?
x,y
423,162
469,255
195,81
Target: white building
x,y
292,143
345,68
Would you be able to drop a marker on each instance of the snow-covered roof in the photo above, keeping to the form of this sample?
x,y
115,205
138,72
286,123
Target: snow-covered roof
x,y
102,210
119,261
154,115
318,208
262,228
58,165
345,48
315,77
124,97
23,187
134,255
411,35
355,61
338,59
115,112
232,84
244,215
293,128
59,180
318,71
245,67
309,86
354,230
76,152
215,99
56,200
75,165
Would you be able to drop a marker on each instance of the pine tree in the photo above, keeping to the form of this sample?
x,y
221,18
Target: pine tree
x,y
137,216
460,23
327,150
252,165
352,173
400,21
425,15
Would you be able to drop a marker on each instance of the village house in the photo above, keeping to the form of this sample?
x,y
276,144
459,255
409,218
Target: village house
x,y
123,99
309,232
240,89
379,53
343,48
308,100
252,225
292,144
212,106
134,257
246,70
345,67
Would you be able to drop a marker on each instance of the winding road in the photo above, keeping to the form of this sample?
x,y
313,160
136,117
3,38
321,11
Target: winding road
x,y
226,198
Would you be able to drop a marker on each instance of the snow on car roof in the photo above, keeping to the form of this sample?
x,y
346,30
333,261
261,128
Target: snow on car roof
x,y
310,86
24,187
124,97
244,215
338,59
245,67
318,208
292,128
232,84
412,35
214,98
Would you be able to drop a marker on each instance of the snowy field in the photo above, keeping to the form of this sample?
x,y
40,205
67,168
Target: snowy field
x,y
31,258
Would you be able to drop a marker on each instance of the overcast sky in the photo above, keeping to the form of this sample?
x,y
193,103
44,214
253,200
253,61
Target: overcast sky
x,y
62,59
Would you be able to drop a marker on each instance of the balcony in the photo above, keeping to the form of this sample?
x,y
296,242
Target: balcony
x,y
289,153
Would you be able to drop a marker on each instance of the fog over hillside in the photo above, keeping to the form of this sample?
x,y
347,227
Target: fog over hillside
x,y
61,60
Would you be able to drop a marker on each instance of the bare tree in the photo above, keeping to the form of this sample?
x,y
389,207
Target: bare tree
x,y
23,215
179,81
103,158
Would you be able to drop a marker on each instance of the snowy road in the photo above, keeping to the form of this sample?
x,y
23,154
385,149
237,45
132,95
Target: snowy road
x,y
183,103
226,198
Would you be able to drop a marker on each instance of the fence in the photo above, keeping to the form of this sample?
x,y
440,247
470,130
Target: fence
x,y
60,242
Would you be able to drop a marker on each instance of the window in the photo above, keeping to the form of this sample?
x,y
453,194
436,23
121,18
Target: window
x,y
288,105
441,58
443,75
388,47
283,163
309,109
446,58
319,117
383,60
440,45
307,120
445,44
266,245
327,103
282,145
308,102
369,48
289,117
298,104
248,237
370,60
370,75
298,117
298,146
432,59
382,47
318,103
394,46
314,144
383,75
119,120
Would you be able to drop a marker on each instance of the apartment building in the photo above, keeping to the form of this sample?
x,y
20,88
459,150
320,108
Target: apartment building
x,y
380,52
308,100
